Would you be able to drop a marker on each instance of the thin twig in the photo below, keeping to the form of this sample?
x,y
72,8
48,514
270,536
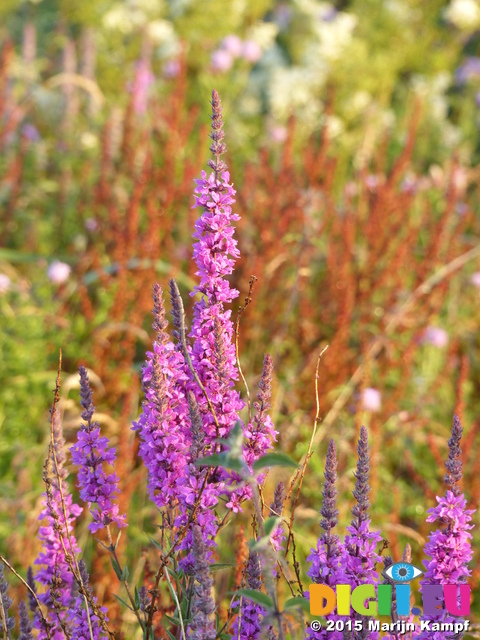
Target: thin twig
x,y
248,300
307,455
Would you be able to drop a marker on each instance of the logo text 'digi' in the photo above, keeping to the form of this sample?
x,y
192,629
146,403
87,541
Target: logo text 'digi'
x,y
323,599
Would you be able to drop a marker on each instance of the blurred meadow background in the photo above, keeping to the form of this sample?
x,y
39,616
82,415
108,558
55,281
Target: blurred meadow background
x,y
352,130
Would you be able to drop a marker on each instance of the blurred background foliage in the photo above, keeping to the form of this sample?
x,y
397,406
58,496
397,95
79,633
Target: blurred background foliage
x,y
353,141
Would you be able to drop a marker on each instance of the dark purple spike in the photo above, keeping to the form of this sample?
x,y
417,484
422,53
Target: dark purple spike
x,y
454,462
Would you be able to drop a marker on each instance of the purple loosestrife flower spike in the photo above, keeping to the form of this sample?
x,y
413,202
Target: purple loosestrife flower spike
x,y
32,603
448,548
25,624
260,432
57,537
163,425
90,453
454,463
360,543
248,623
77,614
276,508
202,626
5,604
326,560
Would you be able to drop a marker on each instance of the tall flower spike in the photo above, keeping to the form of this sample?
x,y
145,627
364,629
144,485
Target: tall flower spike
x,y
32,603
248,623
25,624
260,432
5,604
81,622
454,463
218,147
276,507
361,557
90,453
202,626
163,425
326,560
448,548
57,537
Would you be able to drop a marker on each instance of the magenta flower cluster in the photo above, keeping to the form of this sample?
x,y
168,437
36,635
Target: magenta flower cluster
x,y
90,453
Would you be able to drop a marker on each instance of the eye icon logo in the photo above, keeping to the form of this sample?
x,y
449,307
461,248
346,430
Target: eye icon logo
x,y
403,572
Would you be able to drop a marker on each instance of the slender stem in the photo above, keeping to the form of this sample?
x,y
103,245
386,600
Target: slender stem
x,y
174,595
248,300
112,549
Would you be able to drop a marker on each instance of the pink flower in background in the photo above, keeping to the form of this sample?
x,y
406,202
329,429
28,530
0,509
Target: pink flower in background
x,y
91,224
233,44
371,399
435,336
171,68
278,133
58,272
475,279
142,82
221,60
5,283
251,51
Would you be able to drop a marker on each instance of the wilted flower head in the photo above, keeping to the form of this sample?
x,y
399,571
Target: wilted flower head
x,y
371,399
58,272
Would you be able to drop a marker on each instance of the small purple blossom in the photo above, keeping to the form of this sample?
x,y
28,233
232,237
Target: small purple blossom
x,y
30,132
90,453
278,134
202,626
475,279
58,272
371,399
469,69
171,68
221,60
435,336
251,51
233,44
91,224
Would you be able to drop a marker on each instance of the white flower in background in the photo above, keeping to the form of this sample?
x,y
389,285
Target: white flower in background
x,y
118,19
334,34
88,140
291,89
464,14
58,272
335,126
263,33
371,399
160,31
5,283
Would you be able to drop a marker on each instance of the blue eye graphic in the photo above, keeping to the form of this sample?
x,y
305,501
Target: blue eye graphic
x,y
403,572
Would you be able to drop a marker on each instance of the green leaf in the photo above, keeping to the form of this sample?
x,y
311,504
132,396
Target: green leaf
x,y
257,596
137,598
116,568
274,460
297,601
123,602
125,574
154,542
220,460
